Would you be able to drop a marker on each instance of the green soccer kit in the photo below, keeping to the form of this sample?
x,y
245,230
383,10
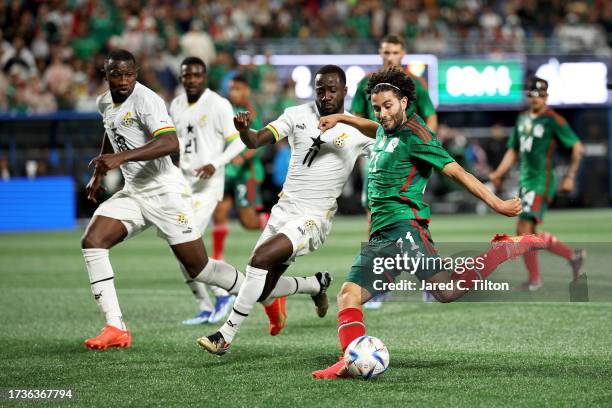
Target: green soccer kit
x,y
400,167
535,139
243,182
362,106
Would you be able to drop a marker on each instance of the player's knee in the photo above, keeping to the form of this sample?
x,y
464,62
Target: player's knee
x,y
91,241
261,259
348,298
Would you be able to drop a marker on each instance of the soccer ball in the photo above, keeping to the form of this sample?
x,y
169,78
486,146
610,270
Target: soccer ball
x,y
366,357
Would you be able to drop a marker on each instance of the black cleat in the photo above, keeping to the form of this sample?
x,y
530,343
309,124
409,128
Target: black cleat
x,y
320,299
214,344
577,262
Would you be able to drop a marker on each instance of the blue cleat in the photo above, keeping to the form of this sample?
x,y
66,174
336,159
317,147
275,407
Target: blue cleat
x,y
223,305
201,318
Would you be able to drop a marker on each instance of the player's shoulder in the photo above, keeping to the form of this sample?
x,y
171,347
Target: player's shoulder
x,y
103,101
144,96
418,80
179,100
558,119
416,131
308,108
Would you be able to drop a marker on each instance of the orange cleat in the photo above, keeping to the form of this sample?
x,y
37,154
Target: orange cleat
x,y
517,245
337,370
108,338
277,315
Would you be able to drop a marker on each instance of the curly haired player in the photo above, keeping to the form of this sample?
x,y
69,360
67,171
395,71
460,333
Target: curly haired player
x,y
405,154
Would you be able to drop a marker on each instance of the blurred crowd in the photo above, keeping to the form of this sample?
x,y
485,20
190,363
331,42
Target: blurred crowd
x,y
52,52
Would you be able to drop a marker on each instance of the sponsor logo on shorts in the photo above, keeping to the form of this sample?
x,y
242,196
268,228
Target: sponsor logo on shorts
x,y
187,231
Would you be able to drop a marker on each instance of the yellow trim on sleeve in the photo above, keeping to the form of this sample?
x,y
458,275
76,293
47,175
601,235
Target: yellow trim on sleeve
x,y
233,137
164,130
274,131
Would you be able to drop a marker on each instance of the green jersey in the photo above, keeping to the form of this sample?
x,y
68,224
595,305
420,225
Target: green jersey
x,y
252,168
535,139
422,106
400,167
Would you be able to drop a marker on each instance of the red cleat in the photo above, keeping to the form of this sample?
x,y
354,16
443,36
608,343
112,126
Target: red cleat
x,y
277,315
337,370
517,245
108,338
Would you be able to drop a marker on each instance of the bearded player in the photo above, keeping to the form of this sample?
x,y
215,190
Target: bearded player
x,y
209,140
392,50
139,138
300,222
405,154
532,144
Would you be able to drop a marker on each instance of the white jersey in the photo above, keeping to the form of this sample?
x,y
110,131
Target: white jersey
x,y
204,128
320,164
132,124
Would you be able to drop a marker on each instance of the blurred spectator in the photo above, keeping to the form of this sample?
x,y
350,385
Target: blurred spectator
x,y
5,173
198,43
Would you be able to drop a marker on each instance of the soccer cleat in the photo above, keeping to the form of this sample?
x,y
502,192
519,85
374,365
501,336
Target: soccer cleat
x,y
214,344
223,305
200,318
336,370
577,262
277,315
110,337
517,245
320,299
529,286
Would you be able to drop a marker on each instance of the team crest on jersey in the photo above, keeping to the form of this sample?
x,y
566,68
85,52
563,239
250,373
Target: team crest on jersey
x,y
392,145
340,141
309,224
538,130
182,220
127,119
202,120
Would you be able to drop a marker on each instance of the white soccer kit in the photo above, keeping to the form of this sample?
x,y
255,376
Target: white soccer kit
x,y
319,167
155,191
204,128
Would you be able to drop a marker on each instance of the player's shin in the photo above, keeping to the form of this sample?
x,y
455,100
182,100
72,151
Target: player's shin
x,y
250,291
219,232
287,286
556,247
221,274
102,281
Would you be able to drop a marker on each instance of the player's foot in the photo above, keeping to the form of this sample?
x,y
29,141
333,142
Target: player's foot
x,y
428,297
337,370
577,262
517,245
200,318
223,305
277,315
529,286
214,344
109,337
320,299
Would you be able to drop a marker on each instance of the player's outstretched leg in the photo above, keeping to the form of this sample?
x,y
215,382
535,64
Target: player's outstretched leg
x,y
575,257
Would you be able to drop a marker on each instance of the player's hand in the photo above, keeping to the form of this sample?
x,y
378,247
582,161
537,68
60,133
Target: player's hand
x,y
238,160
568,184
242,121
509,208
328,122
106,162
496,179
94,187
205,171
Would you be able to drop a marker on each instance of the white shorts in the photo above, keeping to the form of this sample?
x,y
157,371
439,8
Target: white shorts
x,y
203,207
306,229
171,213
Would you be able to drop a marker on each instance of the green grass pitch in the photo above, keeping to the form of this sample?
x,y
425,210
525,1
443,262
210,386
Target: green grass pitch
x,y
462,354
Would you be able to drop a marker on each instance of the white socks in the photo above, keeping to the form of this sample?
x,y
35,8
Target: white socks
x,y
221,274
199,291
217,291
102,281
288,286
249,293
